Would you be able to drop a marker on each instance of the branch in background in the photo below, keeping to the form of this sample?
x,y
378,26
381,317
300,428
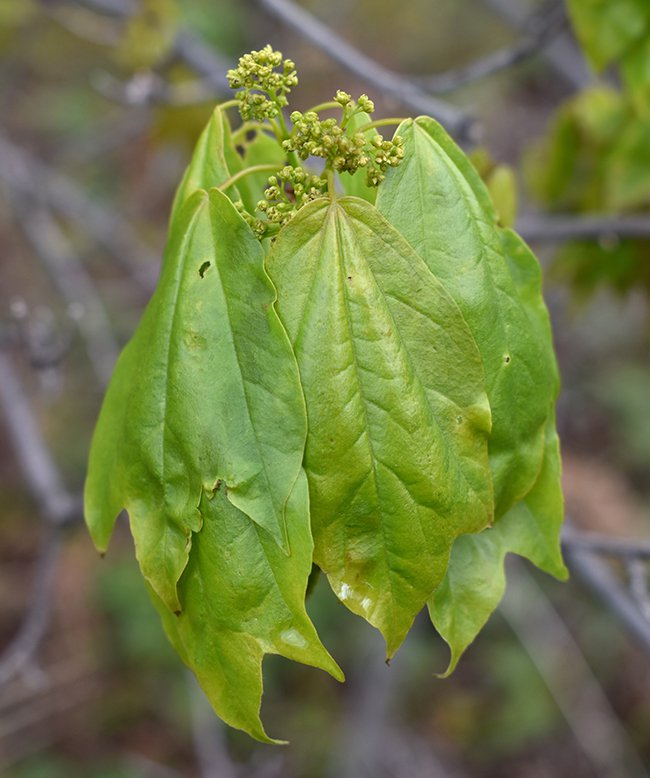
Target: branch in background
x,y
455,120
57,506
576,691
538,31
208,735
598,577
68,274
561,53
150,88
559,229
18,655
38,181
370,741
187,47
607,545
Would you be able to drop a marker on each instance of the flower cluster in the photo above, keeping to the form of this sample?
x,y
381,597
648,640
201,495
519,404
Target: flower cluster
x,y
344,151
264,79
288,191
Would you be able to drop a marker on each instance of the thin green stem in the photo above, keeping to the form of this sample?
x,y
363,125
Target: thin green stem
x,y
228,104
331,183
246,172
381,123
324,107
292,157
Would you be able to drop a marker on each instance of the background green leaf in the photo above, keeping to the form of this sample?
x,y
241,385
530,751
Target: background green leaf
x,y
607,30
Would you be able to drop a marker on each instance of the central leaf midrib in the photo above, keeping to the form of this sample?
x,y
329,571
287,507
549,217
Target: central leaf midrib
x,y
332,216
423,390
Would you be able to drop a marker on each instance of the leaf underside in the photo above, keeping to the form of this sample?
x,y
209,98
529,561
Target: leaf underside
x,y
397,414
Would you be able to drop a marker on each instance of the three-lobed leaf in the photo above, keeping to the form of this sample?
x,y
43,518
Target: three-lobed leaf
x,y
398,418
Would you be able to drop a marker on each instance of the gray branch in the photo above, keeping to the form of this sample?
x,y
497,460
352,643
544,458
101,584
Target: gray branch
x,y
561,53
57,506
538,31
559,229
577,693
607,545
598,577
38,181
457,122
68,274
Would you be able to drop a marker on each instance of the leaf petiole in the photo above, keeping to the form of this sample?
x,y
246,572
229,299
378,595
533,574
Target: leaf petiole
x,y
228,104
381,123
245,172
324,106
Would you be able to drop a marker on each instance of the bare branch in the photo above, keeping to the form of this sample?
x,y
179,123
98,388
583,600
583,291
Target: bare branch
x,y
638,576
603,583
567,675
37,181
559,229
455,120
561,53
539,29
203,60
19,653
608,545
149,88
68,274
208,735
57,506
41,474
188,47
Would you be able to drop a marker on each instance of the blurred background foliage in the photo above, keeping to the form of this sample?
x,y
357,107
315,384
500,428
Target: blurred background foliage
x,y
103,100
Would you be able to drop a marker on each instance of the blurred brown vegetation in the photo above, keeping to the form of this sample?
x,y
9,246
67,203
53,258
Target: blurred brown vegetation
x,y
102,106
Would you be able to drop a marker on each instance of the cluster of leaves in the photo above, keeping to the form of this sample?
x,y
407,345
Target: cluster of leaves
x,y
367,386
596,156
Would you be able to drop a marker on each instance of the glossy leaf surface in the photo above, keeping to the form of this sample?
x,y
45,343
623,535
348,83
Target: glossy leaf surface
x,y
207,391
245,598
397,413
437,201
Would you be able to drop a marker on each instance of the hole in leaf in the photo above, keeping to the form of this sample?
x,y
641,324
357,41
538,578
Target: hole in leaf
x,y
506,358
203,269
